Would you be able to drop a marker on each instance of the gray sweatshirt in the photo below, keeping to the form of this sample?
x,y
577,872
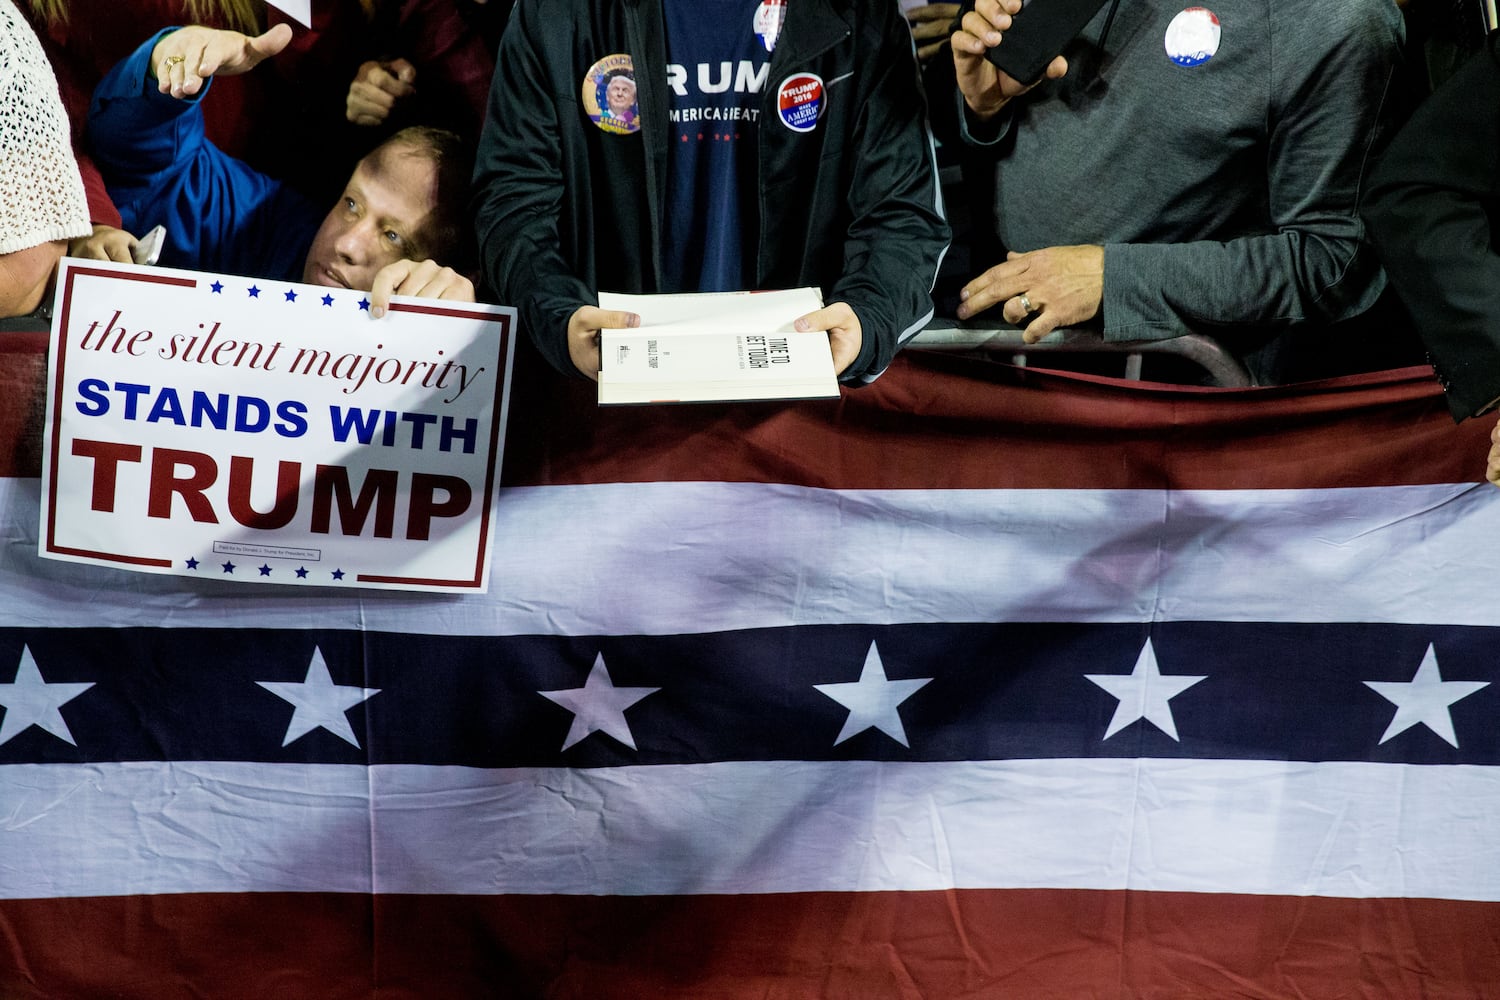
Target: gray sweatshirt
x,y
1225,189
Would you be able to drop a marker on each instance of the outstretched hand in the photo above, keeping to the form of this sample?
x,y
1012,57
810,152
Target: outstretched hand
x,y
986,89
189,56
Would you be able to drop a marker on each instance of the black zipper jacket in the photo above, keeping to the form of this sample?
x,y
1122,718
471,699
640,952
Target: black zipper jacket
x,y
1434,214
563,209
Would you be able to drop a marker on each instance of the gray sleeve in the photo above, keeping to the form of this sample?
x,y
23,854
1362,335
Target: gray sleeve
x,y
1327,89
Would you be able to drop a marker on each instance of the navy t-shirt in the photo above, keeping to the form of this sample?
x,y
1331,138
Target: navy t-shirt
x,y
718,57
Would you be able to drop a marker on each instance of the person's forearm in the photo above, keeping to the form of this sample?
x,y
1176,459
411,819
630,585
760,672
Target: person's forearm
x,y
897,234
1160,290
135,132
25,275
520,195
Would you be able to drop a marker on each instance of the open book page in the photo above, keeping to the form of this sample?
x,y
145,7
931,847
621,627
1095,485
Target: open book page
x,y
715,346
718,312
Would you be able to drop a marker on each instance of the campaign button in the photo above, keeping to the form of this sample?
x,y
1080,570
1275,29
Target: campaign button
x,y
1193,36
609,97
769,17
799,101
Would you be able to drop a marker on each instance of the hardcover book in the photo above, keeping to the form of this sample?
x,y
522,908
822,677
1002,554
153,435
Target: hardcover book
x,y
716,346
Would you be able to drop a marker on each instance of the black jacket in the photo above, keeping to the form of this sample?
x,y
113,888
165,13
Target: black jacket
x,y
1434,212
563,209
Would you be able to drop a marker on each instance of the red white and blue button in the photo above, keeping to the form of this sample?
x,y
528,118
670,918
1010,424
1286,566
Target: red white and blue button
x,y
1193,36
769,17
799,101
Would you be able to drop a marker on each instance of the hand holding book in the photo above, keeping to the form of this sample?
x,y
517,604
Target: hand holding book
x,y
844,334
724,346
583,334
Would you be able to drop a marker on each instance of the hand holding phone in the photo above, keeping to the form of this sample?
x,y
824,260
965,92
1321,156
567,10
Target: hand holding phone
x,y
985,27
147,249
1038,34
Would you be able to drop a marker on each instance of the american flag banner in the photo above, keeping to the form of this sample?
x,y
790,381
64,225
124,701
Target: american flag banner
x,y
979,682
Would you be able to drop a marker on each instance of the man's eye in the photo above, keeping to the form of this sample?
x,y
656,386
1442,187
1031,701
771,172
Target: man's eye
x,y
349,203
392,237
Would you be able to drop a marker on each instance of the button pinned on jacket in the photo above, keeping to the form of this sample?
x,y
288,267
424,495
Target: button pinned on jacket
x,y
799,101
769,17
1193,36
609,95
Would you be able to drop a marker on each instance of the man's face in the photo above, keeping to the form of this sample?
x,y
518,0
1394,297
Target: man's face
x,y
621,94
380,218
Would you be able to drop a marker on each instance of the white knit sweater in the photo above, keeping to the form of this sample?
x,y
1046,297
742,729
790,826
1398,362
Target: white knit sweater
x,y
41,194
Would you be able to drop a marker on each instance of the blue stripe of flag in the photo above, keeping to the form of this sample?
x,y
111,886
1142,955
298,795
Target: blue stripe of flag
x,y
997,692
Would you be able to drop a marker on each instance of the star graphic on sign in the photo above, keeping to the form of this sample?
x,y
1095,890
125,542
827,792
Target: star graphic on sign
x,y
254,292
318,702
364,304
598,706
264,569
291,296
229,567
192,563
217,286
302,572
30,701
1144,693
328,300
338,574
1425,699
874,700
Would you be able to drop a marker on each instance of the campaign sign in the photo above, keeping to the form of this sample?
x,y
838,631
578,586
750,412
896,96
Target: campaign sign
x,y
262,431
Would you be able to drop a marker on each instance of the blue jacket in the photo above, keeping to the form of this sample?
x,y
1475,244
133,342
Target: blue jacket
x,y
160,168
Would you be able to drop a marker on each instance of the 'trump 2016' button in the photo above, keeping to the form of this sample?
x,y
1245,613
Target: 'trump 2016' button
x,y
799,101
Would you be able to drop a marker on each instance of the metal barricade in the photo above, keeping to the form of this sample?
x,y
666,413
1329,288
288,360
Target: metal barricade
x,y
1222,368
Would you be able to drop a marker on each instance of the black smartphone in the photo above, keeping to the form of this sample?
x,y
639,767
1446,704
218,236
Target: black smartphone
x,y
1038,34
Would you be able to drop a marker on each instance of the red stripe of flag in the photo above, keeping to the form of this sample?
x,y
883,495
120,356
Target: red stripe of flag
x,y
1032,944
995,427
938,422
